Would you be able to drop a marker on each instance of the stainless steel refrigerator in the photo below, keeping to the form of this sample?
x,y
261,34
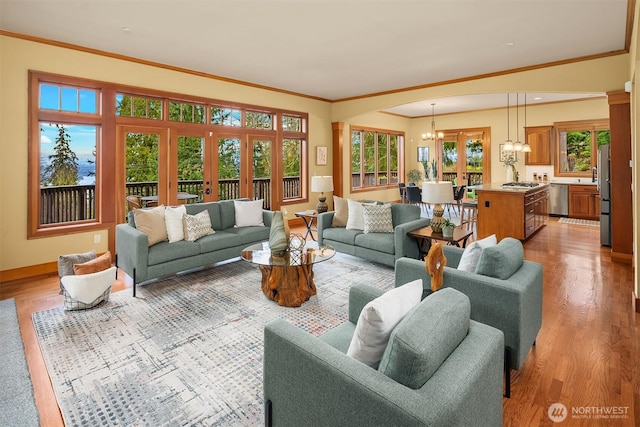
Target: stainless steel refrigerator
x,y
604,186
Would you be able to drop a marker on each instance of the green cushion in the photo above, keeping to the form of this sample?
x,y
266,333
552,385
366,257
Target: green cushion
x,y
381,242
214,212
218,240
426,337
402,213
502,260
341,234
164,251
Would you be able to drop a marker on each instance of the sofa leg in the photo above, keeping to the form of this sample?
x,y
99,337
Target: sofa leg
x,y
507,372
134,282
268,422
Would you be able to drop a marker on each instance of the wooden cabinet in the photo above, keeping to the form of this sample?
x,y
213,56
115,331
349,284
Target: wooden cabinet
x,y
584,202
516,214
540,139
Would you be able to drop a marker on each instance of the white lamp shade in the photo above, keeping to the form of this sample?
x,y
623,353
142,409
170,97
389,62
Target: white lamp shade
x,y
437,192
320,184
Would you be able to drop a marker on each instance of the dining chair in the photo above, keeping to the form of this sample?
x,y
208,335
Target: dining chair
x,y
403,195
133,202
414,196
458,196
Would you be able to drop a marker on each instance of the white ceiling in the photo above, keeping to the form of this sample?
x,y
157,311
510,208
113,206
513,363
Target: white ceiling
x,y
334,49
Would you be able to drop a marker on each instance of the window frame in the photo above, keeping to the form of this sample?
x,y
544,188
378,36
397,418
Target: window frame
x,y
400,135
594,126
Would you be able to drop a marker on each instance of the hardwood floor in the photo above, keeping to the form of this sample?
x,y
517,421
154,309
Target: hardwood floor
x,y
586,356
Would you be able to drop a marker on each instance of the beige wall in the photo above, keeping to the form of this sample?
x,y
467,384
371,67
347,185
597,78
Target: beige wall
x,y
19,56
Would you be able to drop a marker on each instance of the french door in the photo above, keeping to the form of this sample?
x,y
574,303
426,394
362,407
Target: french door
x,y
464,156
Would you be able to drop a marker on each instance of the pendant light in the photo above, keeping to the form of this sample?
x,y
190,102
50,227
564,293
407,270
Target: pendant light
x,y
431,136
508,144
526,148
517,146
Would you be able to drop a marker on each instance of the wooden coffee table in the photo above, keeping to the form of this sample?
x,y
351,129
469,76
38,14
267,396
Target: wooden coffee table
x,y
425,235
288,278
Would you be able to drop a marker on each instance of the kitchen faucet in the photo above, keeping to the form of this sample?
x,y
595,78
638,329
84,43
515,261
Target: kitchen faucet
x,y
594,171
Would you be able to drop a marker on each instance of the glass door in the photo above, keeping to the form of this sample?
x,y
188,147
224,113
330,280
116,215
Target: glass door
x,y
462,157
191,170
261,178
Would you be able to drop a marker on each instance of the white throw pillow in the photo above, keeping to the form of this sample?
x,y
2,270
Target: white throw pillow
x,y
248,213
355,220
377,320
173,221
471,255
88,287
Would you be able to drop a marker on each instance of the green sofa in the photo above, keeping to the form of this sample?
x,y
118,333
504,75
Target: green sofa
x,y
311,381
384,248
507,296
143,263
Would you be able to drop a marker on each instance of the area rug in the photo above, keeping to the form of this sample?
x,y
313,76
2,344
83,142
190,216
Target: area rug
x,y
17,402
576,221
188,350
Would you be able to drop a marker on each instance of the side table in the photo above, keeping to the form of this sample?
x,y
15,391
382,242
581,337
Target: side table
x,y
309,217
425,235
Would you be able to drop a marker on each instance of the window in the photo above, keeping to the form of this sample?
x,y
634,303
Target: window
x,y
91,144
375,158
65,129
577,148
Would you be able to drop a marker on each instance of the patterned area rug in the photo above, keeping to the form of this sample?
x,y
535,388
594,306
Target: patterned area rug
x,y
188,350
576,221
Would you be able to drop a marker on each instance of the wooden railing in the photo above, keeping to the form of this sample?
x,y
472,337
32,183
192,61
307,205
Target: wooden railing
x,y
473,178
370,179
67,203
72,203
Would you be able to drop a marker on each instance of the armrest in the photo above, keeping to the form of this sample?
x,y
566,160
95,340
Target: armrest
x,y
323,221
359,296
405,245
308,381
132,251
266,217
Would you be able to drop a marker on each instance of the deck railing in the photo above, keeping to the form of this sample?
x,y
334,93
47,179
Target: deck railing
x,y
70,203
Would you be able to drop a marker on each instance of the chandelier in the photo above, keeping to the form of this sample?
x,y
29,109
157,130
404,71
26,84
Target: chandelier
x,y
511,147
431,136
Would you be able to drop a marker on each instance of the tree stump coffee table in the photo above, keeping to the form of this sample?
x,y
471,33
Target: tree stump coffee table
x,y
288,278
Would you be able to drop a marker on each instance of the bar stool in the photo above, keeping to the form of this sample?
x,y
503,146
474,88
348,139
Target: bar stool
x,y
469,214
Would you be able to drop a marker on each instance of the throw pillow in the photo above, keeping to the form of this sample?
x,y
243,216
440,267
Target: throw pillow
x,y
341,212
196,226
377,218
355,219
66,262
151,222
98,264
173,221
377,320
471,254
248,213
87,290
502,260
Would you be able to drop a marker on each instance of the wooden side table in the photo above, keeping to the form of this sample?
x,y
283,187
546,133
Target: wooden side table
x,y
425,235
309,218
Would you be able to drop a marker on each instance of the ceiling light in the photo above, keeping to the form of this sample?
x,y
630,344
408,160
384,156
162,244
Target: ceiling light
x,y
508,144
432,136
126,29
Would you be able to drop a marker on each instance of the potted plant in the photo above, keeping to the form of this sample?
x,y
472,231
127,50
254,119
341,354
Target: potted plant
x,y
447,228
434,170
415,176
425,165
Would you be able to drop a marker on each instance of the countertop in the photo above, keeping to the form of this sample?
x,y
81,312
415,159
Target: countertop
x,y
497,186
582,182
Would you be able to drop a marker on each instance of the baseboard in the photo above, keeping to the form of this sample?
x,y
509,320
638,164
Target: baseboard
x,y
622,257
46,269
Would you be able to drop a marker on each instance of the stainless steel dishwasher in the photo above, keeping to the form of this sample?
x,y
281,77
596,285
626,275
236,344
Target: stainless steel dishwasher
x,y
558,199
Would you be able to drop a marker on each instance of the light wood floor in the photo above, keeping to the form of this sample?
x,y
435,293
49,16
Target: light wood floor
x,y
587,355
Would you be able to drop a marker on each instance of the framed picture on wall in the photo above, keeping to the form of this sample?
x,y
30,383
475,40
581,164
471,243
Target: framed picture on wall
x,y
503,154
321,155
423,154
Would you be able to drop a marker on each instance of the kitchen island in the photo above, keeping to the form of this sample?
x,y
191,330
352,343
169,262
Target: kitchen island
x,y
513,210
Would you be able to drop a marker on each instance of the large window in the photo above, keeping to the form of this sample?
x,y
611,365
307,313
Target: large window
x,y
577,147
94,143
375,157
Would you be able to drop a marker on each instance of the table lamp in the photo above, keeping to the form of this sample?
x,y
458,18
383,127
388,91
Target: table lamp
x,y
437,193
320,184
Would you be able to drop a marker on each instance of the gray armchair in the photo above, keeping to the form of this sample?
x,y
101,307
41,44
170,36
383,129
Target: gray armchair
x,y
508,296
311,381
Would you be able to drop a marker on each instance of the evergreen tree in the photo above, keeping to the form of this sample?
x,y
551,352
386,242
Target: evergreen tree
x,y
63,166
